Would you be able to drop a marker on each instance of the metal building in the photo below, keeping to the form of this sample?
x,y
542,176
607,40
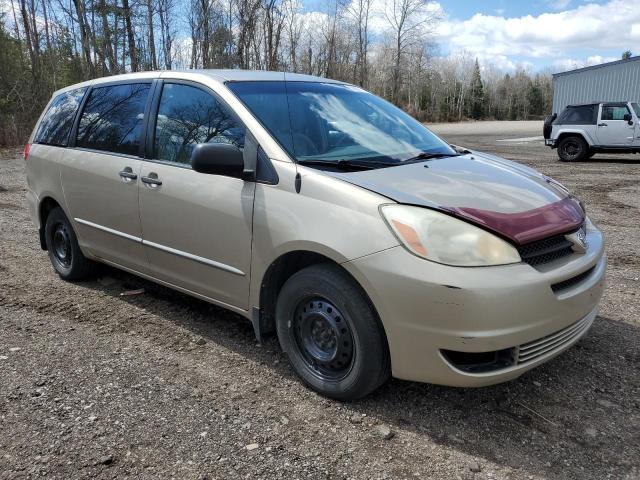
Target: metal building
x,y
608,82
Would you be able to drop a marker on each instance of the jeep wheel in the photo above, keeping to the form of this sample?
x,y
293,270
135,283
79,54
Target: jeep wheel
x,y
573,149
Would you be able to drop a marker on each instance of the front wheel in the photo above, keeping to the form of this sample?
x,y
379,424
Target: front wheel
x,y
573,149
331,333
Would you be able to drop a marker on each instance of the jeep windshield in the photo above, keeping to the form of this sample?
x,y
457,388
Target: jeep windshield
x,y
337,125
636,108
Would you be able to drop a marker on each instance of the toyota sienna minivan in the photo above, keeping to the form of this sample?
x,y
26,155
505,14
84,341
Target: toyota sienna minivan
x,y
322,213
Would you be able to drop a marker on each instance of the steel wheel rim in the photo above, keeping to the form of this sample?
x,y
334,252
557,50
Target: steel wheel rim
x,y
61,243
324,339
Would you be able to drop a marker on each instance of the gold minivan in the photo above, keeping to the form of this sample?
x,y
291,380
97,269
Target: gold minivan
x,y
323,213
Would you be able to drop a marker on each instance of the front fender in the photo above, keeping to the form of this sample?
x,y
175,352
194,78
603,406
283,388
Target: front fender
x,y
327,216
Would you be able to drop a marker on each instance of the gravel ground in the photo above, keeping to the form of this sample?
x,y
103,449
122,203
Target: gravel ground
x,y
95,384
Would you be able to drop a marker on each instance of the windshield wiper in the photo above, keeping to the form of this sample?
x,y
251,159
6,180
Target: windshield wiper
x,y
344,164
429,156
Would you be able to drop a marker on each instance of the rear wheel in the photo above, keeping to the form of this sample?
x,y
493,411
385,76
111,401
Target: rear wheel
x,y
573,149
64,252
331,333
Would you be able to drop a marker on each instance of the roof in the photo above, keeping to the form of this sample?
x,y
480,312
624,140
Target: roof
x,y
218,75
236,75
589,104
586,104
594,67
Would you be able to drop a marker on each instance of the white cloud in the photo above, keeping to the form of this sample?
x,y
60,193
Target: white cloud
x,y
608,26
564,64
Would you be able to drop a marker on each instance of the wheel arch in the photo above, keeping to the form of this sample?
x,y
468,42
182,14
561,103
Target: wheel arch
x,y
574,133
279,271
46,205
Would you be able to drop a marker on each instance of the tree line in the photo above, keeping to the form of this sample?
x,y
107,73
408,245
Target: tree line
x,y
389,50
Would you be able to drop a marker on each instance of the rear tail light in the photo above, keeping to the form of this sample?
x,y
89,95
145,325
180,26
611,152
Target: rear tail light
x,y
25,154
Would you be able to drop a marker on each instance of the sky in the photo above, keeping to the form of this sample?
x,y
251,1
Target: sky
x,y
550,35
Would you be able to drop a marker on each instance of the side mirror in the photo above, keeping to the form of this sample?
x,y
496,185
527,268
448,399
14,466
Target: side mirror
x,y
460,150
628,118
218,159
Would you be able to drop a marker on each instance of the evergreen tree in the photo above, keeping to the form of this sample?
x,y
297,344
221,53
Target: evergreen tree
x,y
536,99
476,93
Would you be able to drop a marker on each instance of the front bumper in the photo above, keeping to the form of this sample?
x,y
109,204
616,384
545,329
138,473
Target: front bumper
x,y
549,142
427,308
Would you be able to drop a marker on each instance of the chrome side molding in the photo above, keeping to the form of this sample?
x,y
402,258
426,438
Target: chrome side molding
x,y
195,258
164,248
109,230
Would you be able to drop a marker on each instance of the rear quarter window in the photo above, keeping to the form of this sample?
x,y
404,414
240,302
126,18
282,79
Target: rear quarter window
x,y
56,124
582,115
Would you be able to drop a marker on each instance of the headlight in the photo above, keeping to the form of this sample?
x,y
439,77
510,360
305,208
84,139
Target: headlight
x,y
444,239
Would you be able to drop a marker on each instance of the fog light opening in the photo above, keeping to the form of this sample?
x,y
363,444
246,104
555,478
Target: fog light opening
x,y
481,362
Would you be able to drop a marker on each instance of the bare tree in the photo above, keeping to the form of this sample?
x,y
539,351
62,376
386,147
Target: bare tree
x,y
273,24
410,21
152,40
293,30
247,16
360,12
131,40
165,9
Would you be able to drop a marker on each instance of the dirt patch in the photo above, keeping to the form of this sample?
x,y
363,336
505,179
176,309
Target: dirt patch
x,y
8,205
629,196
94,384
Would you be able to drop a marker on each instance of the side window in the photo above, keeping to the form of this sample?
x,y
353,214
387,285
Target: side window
x,y
187,116
112,118
614,112
56,124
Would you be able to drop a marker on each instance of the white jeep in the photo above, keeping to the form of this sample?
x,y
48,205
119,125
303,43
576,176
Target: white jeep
x,y
580,131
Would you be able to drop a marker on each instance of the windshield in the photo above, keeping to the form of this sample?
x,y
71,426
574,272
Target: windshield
x,y
326,122
636,108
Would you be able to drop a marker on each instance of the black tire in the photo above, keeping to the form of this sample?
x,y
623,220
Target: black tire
x,y
331,333
64,252
573,149
591,153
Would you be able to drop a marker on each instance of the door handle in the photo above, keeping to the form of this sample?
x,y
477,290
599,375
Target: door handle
x,y
127,174
151,180
602,124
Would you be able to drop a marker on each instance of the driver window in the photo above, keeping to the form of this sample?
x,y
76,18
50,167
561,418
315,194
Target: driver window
x,y
614,112
187,116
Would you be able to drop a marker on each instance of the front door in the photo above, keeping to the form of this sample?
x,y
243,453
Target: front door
x,y
613,129
100,174
636,110
196,227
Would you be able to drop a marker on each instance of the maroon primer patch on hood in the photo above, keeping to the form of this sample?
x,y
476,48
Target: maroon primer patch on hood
x,y
531,225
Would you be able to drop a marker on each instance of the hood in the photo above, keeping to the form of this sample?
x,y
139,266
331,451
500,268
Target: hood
x,y
512,200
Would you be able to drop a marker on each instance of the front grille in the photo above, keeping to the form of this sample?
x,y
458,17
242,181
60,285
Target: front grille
x,y
570,282
545,250
528,352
